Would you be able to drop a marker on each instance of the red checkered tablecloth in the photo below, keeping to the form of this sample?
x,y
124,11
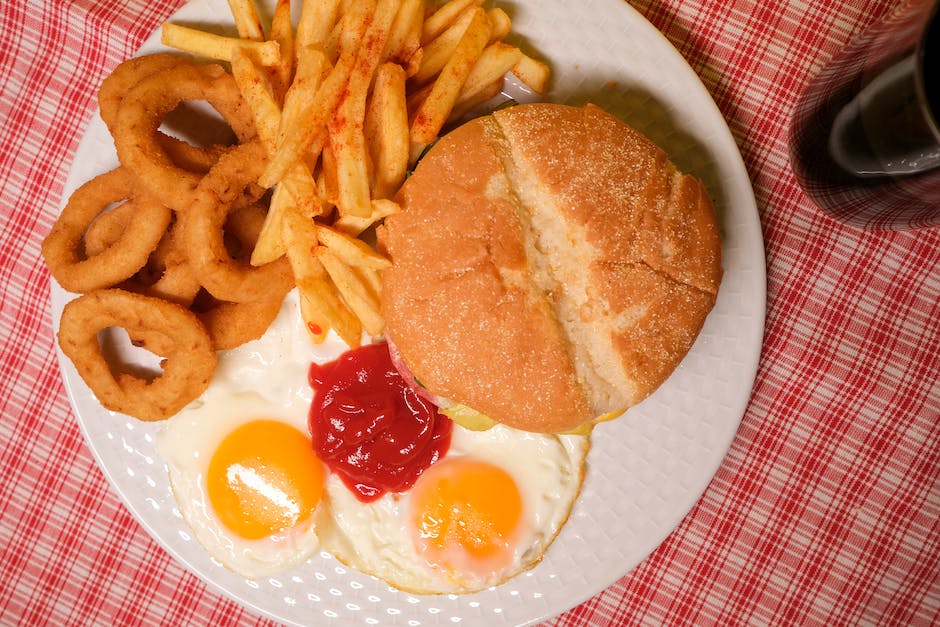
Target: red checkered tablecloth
x,y
827,508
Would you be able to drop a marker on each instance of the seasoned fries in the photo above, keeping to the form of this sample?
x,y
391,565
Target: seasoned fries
x,y
404,38
344,104
355,289
354,225
325,309
257,95
386,124
317,19
497,59
247,22
439,50
347,137
532,72
500,24
311,112
216,46
351,250
444,17
435,109
282,31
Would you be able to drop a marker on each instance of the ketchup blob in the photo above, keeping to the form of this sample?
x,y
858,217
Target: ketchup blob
x,y
370,427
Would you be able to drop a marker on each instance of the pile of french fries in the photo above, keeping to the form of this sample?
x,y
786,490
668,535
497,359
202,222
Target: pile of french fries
x,y
345,103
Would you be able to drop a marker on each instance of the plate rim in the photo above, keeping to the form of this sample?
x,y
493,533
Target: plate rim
x,y
754,237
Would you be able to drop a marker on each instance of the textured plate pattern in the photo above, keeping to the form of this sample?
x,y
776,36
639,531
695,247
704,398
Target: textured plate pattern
x,y
646,470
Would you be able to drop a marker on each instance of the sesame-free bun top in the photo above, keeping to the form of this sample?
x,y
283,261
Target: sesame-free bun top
x,y
549,265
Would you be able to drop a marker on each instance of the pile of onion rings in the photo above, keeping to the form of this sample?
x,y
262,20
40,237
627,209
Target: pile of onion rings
x,y
328,116
161,245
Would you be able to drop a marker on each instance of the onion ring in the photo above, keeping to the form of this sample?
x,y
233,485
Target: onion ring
x,y
229,186
107,228
166,273
232,324
184,155
126,75
62,248
164,328
144,107
170,275
123,78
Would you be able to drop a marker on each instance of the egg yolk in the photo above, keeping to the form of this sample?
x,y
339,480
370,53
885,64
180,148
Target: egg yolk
x,y
264,478
466,514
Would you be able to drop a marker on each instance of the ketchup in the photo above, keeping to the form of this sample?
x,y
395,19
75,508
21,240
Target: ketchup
x,y
370,427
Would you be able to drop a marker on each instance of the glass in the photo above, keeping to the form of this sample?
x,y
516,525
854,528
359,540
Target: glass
x,y
864,135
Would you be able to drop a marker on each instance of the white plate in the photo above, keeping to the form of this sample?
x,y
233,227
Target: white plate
x,y
646,470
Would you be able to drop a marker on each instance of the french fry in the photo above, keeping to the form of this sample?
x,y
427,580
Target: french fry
x,y
533,73
500,24
415,99
434,111
282,31
270,244
372,279
216,46
414,62
325,309
318,144
258,97
256,92
356,17
354,225
311,112
444,17
351,250
311,312
437,52
300,239
311,69
352,169
355,290
247,22
346,129
404,37
302,186
327,186
332,44
465,104
497,59
386,124
317,19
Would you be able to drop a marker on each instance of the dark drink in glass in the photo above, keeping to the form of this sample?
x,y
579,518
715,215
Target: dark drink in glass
x,y
864,136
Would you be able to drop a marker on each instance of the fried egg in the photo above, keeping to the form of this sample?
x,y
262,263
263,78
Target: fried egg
x,y
482,514
248,483
239,458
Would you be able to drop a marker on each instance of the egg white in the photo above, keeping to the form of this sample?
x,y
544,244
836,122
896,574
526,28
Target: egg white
x,y
276,365
376,538
265,378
